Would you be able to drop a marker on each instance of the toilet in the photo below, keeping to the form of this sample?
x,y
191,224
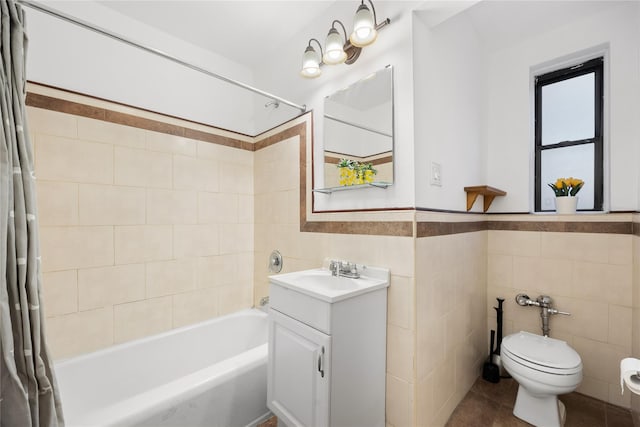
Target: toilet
x,y
544,368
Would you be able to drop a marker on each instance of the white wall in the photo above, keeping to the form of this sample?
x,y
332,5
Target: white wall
x,y
64,55
638,157
509,135
448,70
280,74
473,95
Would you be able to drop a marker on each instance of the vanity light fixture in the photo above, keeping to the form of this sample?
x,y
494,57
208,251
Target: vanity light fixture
x,y
339,49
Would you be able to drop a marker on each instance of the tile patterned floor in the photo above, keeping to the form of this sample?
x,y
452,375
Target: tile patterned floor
x,y
491,405
271,422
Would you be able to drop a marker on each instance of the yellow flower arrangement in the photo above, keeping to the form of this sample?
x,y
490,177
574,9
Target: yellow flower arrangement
x,y
353,173
567,186
347,176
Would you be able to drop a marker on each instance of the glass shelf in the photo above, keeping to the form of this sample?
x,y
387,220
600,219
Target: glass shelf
x,y
330,190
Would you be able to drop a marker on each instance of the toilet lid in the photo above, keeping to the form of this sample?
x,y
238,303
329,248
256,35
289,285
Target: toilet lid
x,y
543,351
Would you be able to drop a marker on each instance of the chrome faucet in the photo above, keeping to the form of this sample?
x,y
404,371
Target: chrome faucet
x,y
264,304
334,267
344,268
544,302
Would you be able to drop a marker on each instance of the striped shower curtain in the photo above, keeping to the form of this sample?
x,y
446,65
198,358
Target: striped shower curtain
x,y
28,395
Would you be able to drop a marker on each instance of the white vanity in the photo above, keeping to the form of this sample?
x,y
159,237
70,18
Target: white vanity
x,y
327,348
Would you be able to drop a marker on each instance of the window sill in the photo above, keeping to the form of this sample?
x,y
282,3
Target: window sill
x,y
577,213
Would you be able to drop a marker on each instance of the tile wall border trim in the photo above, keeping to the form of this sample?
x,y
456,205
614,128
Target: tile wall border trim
x,y
378,228
132,107
608,227
37,100
442,228
436,228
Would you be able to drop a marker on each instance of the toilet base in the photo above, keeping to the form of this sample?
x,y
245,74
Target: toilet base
x,y
541,411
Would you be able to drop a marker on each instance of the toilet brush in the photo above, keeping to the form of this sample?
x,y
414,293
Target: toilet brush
x,y
490,371
495,355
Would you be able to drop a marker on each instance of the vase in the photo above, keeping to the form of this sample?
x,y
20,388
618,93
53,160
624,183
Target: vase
x,y
566,205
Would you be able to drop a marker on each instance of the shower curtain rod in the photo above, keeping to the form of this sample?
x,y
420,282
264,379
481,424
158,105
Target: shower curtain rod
x,y
41,8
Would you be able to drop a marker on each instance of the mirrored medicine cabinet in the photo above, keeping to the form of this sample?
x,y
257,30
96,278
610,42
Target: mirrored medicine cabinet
x,y
358,135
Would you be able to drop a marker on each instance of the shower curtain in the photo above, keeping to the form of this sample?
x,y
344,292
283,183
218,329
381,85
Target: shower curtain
x,y
28,395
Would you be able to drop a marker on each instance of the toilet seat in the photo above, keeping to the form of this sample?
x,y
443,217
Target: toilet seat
x,y
543,354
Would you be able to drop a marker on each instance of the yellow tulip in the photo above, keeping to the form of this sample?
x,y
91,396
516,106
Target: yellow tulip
x,y
368,176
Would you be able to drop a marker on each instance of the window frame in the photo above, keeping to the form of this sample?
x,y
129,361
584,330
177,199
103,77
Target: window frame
x,y
595,66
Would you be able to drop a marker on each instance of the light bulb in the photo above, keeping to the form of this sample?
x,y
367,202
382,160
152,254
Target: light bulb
x,y
310,63
333,49
364,28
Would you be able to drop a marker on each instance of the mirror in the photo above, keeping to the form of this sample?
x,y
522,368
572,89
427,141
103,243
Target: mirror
x,y
358,133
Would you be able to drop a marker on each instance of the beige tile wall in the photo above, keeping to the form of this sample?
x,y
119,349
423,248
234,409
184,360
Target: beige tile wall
x,y
451,313
277,226
140,231
588,275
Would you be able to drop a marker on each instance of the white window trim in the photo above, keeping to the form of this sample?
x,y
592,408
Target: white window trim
x,y
557,64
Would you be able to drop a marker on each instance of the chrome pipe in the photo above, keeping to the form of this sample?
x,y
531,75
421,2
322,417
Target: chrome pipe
x,y
86,25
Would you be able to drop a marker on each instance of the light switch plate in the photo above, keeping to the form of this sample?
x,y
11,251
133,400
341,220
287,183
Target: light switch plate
x,y
436,174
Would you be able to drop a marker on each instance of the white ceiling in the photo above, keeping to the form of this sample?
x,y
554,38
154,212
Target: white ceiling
x,y
501,23
246,31
243,31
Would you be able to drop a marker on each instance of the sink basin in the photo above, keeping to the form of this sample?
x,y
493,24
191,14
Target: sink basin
x,y
319,283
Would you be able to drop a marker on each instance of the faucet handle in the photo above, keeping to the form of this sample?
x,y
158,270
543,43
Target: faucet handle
x,y
334,267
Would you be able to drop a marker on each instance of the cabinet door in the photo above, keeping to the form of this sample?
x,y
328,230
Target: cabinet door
x,y
298,372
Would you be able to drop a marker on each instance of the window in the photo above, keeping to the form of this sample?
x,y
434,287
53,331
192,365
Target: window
x,y
568,133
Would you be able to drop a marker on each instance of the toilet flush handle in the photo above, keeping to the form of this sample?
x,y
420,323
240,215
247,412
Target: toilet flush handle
x,y
554,311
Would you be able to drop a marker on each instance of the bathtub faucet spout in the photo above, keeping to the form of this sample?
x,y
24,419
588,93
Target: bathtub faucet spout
x,y
264,303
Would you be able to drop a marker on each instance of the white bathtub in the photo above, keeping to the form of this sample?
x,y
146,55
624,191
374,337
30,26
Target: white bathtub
x,y
209,374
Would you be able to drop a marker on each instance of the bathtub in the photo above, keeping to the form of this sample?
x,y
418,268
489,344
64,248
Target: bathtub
x,y
209,374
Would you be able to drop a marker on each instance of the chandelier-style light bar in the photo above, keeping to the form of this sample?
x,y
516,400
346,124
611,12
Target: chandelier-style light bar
x,y
338,48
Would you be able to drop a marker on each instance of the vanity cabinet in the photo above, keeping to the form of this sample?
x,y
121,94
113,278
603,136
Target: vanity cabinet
x,y
299,388
327,358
